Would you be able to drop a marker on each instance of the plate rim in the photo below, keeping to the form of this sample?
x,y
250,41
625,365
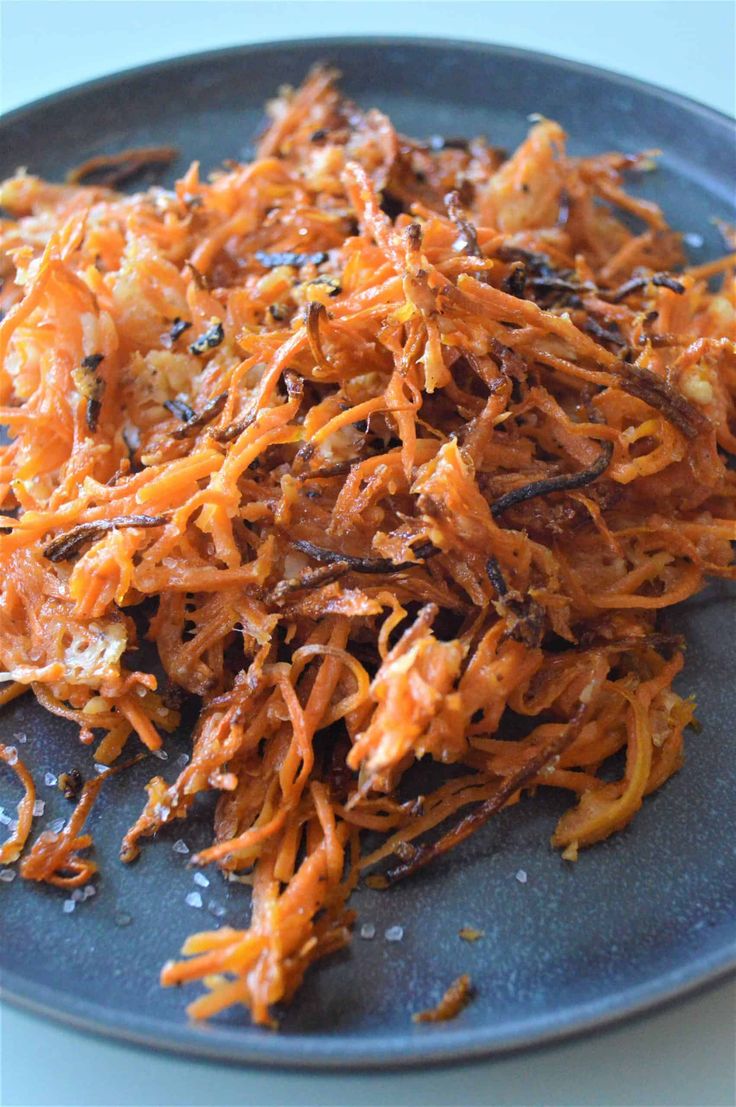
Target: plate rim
x,y
250,1045
263,1048
15,115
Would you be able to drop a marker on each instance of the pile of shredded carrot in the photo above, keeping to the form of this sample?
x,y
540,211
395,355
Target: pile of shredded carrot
x,y
394,450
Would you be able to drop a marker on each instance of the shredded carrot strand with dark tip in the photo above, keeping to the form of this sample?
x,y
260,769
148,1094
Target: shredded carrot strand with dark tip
x,y
112,170
390,450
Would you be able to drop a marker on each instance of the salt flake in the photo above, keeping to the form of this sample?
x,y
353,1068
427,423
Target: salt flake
x,y
7,875
521,876
193,899
180,846
368,931
394,934
50,780
68,906
39,807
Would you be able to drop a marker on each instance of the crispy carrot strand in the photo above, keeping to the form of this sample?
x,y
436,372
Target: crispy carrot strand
x,y
374,449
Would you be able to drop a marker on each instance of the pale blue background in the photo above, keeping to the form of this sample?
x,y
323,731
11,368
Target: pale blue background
x,y
681,1056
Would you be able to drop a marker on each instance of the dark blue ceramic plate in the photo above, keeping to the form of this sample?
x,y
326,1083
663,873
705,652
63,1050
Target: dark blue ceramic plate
x,y
641,919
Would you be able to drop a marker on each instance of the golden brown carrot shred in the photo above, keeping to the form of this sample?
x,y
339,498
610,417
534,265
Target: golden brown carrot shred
x,y
457,997
392,450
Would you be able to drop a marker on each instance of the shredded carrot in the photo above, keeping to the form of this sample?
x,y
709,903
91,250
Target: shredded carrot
x,y
12,848
385,448
457,997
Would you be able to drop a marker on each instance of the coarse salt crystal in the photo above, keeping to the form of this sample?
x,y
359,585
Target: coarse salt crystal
x,y
521,876
193,899
101,768
13,826
12,755
5,819
78,895
216,909
394,934
368,931
180,846
56,825
162,755
21,738
201,879
693,239
50,780
39,807
68,906
7,875
182,760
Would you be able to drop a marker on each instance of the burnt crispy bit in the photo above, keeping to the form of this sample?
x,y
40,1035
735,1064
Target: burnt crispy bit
x,y
209,340
604,334
665,280
334,288
313,312
70,544
200,419
356,564
70,784
279,312
511,364
467,242
308,578
553,282
112,170
530,767
177,328
339,469
180,409
647,386
637,283
525,621
561,483
288,257
496,577
515,280
90,386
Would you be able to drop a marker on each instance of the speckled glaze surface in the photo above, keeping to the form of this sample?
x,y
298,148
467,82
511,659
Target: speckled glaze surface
x,y
640,919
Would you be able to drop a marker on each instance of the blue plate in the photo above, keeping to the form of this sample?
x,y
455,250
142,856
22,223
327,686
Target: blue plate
x,y
641,919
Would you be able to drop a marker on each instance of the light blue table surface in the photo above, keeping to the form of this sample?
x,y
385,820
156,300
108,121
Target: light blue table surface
x,y
684,1055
